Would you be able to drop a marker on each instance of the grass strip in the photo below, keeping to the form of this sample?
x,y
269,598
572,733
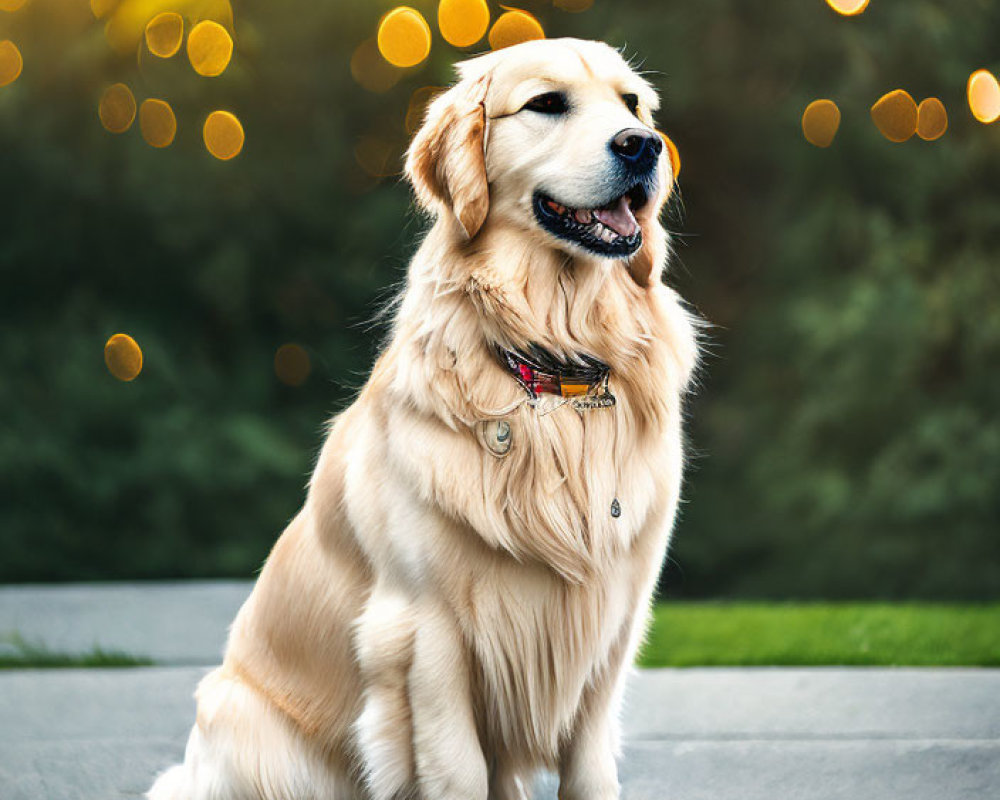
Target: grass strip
x,y
823,634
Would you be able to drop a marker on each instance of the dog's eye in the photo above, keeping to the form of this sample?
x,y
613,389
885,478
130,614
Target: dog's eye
x,y
548,103
632,102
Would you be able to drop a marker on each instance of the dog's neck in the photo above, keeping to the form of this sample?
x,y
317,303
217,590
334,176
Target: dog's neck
x,y
463,299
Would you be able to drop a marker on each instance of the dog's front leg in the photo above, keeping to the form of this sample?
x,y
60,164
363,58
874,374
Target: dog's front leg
x,y
450,762
587,768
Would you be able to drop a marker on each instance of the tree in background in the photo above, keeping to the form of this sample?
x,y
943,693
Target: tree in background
x,y
845,434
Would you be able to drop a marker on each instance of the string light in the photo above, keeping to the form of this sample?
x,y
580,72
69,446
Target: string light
x,y
463,22
932,119
11,62
404,37
292,365
223,135
514,27
164,34
157,123
820,122
117,108
209,48
848,8
123,357
895,115
984,96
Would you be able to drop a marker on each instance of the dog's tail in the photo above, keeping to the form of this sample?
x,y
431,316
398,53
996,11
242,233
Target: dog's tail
x,y
169,785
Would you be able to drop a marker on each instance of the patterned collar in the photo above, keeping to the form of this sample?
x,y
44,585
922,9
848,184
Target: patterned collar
x,y
584,381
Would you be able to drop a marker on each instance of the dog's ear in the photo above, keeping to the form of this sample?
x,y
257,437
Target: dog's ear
x,y
646,266
446,162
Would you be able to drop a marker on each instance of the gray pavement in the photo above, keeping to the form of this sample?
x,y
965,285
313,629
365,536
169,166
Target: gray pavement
x,y
696,734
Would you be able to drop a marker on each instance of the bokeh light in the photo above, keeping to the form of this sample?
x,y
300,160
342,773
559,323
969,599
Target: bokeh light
x,y
223,135
404,37
209,48
574,5
932,119
672,153
372,71
101,8
463,22
165,33
895,115
378,156
820,122
292,365
157,123
127,20
417,107
513,27
984,96
849,8
117,108
11,5
11,62
123,357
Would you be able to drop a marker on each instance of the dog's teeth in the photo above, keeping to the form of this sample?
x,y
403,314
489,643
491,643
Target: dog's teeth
x,y
583,216
608,235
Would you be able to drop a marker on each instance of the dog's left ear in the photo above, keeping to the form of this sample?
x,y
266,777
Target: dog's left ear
x,y
446,162
646,266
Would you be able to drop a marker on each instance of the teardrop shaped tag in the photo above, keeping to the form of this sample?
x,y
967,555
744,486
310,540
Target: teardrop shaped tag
x,y
616,508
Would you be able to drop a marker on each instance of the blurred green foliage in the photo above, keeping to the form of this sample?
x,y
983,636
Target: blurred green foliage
x,y
845,437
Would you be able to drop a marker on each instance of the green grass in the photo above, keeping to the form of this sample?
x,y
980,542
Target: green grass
x,y
16,653
774,634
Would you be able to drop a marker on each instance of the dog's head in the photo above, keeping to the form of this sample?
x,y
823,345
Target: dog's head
x,y
556,138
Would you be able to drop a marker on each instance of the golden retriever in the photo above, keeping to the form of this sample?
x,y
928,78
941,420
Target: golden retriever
x,y
458,602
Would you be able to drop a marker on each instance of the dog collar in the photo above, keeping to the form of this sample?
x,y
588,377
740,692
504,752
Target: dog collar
x,y
584,381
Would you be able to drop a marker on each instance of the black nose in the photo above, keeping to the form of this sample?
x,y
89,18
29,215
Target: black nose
x,y
638,148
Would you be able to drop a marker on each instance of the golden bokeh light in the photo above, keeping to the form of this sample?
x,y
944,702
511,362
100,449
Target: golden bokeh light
x,y
984,96
574,5
895,115
932,119
404,37
292,364
849,8
165,33
127,21
117,108
223,135
513,27
673,154
157,123
11,62
11,5
123,357
417,107
102,8
372,71
209,48
378,156
820,122
463,22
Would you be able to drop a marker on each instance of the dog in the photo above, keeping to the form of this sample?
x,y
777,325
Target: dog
x,y
458,602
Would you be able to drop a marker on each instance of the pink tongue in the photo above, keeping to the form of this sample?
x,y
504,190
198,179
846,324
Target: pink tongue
x,y
620,219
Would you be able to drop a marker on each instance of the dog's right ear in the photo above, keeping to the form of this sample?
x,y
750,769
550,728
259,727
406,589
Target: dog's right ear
x,y
446,162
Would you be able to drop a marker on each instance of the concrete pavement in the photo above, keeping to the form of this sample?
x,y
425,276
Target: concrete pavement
x,y
696,734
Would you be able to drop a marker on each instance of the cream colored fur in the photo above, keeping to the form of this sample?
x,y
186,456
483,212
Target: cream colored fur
x,y
439,622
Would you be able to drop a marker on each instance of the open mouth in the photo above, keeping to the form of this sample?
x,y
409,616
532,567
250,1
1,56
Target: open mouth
x,y
610,230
